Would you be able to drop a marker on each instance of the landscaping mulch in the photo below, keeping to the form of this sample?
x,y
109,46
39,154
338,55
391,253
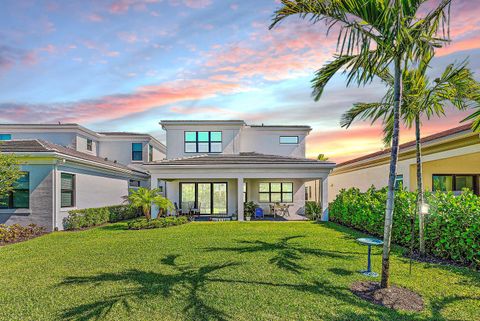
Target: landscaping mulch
x,y
394,297
23,239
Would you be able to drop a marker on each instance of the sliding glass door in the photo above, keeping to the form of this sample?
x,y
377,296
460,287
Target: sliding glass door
x,y
209,198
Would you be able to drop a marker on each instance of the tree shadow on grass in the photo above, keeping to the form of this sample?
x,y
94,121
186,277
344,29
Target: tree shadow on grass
x,y
439,304
137,286
148,285
286,254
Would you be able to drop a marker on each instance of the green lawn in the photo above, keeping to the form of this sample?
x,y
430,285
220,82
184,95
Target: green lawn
x,y
215,271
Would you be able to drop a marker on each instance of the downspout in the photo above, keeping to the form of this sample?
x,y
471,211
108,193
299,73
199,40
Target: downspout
x,y
54,187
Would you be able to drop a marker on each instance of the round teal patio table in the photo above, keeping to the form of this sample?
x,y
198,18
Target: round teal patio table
x,y
369,242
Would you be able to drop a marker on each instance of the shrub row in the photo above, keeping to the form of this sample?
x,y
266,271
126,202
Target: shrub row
x,y
142,224
452,226
89,217
16,232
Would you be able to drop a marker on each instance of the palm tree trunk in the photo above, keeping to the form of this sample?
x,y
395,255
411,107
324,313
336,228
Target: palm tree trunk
x,y
419,186
387,234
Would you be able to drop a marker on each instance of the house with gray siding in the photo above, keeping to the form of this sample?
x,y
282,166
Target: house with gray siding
x,y
68,166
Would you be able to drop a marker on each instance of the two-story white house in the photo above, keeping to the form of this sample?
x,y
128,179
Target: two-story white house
x,y
217,165
67,166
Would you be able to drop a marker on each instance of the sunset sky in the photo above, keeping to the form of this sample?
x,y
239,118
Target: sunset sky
x,y
124,65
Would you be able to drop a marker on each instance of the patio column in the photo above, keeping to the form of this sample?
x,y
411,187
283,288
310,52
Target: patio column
x,y
240,210
325,199
153,185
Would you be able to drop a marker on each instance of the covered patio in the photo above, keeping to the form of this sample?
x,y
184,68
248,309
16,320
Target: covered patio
x,y
218,185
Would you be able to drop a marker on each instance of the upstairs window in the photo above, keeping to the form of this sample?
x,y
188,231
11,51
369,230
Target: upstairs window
x,y
203,142
288,139
5,137
137,152
67,185
19,196
89,145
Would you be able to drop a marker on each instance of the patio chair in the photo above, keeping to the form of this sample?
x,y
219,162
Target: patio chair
x,y
177,211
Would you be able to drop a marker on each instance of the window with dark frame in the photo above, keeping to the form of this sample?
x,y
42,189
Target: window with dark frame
x,y
210,198
137,152
245,190
203,142
134,183
398,182
273,192
289,139
455,182
89,145
19,196
67,184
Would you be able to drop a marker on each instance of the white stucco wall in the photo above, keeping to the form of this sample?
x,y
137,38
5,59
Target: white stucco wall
x,y
92,189
175,135
121,151
267,141
81,142
60,138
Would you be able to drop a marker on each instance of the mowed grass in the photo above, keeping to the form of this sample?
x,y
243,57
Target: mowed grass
x,y
216,271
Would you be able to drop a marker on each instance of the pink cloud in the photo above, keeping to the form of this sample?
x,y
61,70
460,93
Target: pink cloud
x,y
10,56
94,17
196,4
115,106
122,6
289,51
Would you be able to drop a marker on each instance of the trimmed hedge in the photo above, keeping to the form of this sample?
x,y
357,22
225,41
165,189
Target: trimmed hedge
x,y
142,224
16,232
452,227
89,217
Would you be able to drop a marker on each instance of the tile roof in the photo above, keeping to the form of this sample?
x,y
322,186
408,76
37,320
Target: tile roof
x,y
446,133
122,134
242,158
37,145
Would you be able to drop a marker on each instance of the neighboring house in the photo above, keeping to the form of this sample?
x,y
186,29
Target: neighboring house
x,y
451,162
68,166
217,165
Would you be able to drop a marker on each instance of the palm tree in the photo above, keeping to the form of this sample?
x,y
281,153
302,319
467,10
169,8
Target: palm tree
x,y
374,34
144,198
421,97
322,157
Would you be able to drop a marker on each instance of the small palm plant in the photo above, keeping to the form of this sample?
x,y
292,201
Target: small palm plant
x,y
144,198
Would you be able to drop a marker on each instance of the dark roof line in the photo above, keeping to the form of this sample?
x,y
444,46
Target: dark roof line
x,y
445,133
241,158
37,145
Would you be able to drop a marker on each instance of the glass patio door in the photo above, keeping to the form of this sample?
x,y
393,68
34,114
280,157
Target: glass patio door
x,y
219,198
204,202
209,198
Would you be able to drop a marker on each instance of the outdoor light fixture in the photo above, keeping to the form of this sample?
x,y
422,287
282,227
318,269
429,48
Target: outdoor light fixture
x,y
424,208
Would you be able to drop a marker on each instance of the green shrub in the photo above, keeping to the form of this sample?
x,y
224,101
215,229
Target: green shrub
x,y
249,208
452,227
142,224
17,232
313,210
89,217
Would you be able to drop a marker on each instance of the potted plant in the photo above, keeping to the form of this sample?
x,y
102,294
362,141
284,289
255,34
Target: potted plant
x,y
249,209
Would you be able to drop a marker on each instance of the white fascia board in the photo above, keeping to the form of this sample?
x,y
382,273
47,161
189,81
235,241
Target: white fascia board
x,y
92,164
